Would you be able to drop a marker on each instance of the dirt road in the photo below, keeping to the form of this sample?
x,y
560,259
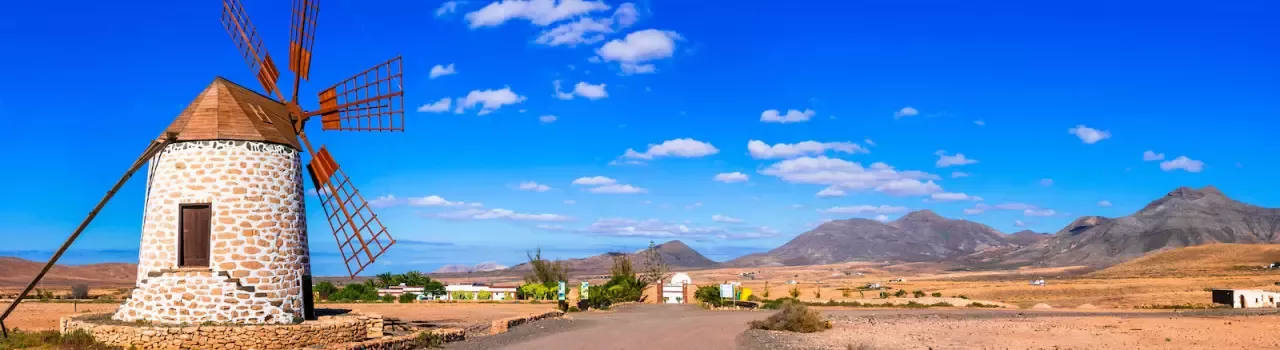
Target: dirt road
x,y
642,326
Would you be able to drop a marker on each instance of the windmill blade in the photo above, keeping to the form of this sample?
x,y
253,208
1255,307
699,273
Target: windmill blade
x,y
302,37
236,21
370,101
360,234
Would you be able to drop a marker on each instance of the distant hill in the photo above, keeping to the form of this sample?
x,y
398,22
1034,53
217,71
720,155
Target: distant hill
x,y
1027,237
1184,217
17,272
675,253
1190,261
918,236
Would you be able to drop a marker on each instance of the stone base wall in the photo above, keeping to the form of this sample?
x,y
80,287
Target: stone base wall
x,y
196,296
405,342
320,333
503,324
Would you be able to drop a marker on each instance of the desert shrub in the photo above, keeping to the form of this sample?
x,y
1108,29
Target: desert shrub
x,y
846,292
408,298
776,303
460,296
918,294
52,339
941,304
977,304
793,317
485,295
80,291
766,290
914,305
962,296
573,309
884,295
817,293
937,294
355,292
429,339
388,298
709,294
325,289
795,292
900,293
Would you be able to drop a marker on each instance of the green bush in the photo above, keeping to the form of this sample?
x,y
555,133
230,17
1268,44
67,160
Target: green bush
x,y
900,293
937,294
793,317
461,296
776,303
51,339
708,294
388,298
484,296
429,339
408,298
918,294
884,295
962,296
355,292
325,289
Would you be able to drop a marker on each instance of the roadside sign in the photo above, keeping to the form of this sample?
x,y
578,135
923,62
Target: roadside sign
x,y
726,291
560,293
584,290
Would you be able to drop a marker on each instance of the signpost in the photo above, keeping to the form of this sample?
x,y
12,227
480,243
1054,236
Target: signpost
x,y
583,292
560,293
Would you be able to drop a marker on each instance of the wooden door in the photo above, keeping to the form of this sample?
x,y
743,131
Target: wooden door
x,y
195,223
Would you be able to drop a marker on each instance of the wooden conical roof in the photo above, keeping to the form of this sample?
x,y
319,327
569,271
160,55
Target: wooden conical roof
x,y
228,111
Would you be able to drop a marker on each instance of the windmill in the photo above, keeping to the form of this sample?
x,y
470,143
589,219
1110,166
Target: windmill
x,y
224,233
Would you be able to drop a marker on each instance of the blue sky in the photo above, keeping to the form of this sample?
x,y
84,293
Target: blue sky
x,y
890,94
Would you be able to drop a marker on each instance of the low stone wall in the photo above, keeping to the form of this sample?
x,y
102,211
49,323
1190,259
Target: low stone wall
x,y
448,335
325,331
503,324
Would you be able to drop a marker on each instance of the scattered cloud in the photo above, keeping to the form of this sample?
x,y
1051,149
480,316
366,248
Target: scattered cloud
x,y
570,202
652,228
1014,206
908,187
869,142
959,174
979,122
731,177
864,209
594,181
617,189
907,111
682,148
848,175
626,15
503,214
436,107
977,209
534,186
489,100
694,205
882,218
591,92
631,52
792,116
1039,212
428,201
446,8
440,71
830,192
547,119
1089,135
1046,182
539,12
958,159
585,30
953,196
1184,163
1019,223
761,150
725,219
1104,203
1152,155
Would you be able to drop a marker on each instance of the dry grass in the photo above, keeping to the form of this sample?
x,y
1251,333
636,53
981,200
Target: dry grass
x,y
1216,259
793,317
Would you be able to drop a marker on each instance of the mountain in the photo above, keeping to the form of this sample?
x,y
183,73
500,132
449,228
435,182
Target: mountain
x,y
460,268
1184,217
488,266
453,268
1026,237
16,272
675,253
918,236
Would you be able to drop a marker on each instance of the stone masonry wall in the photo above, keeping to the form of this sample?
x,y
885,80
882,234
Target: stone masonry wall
x,y
320,333
258,236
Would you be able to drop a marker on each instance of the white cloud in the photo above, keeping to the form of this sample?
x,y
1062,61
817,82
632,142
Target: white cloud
x,y
694,205
1019,223
683,148
1046,182
585,30
534,186
570,202
1104,203
436,107
882,218
490,100
908,187
848,175
1152,155
539,12
907,111
591,92
1184,163
626,15
864,209
594,181
953,196
725,219
977,209
792,116
638,47
831,191
547,119
1014,206
428,201
979,122
1089,135
945,160
959,174
560,94
1039,212
440,71
761,150
869,142
731,177
617,189
446,8
497,213
652,228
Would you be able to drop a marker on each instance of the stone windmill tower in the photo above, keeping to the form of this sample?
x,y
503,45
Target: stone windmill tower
x,y
224,235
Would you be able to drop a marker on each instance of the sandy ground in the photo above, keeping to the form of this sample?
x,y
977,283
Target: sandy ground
x,y
1029,330
39,316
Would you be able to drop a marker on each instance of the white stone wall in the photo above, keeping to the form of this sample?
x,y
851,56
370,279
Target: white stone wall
x,y
258,236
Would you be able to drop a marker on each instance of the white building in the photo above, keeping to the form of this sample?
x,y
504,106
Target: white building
x,y
397,291
495,292
1244,298
673,291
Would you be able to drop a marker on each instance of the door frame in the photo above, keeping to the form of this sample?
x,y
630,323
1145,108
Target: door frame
x,y
182,238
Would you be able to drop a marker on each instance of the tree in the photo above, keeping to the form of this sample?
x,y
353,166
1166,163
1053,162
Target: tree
x,y
408,298
622,266
545,272
325,289
655,268
80,291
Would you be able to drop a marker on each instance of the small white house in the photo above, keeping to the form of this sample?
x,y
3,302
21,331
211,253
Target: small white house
x,y
1245,298
495,292
1039,282
673,290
